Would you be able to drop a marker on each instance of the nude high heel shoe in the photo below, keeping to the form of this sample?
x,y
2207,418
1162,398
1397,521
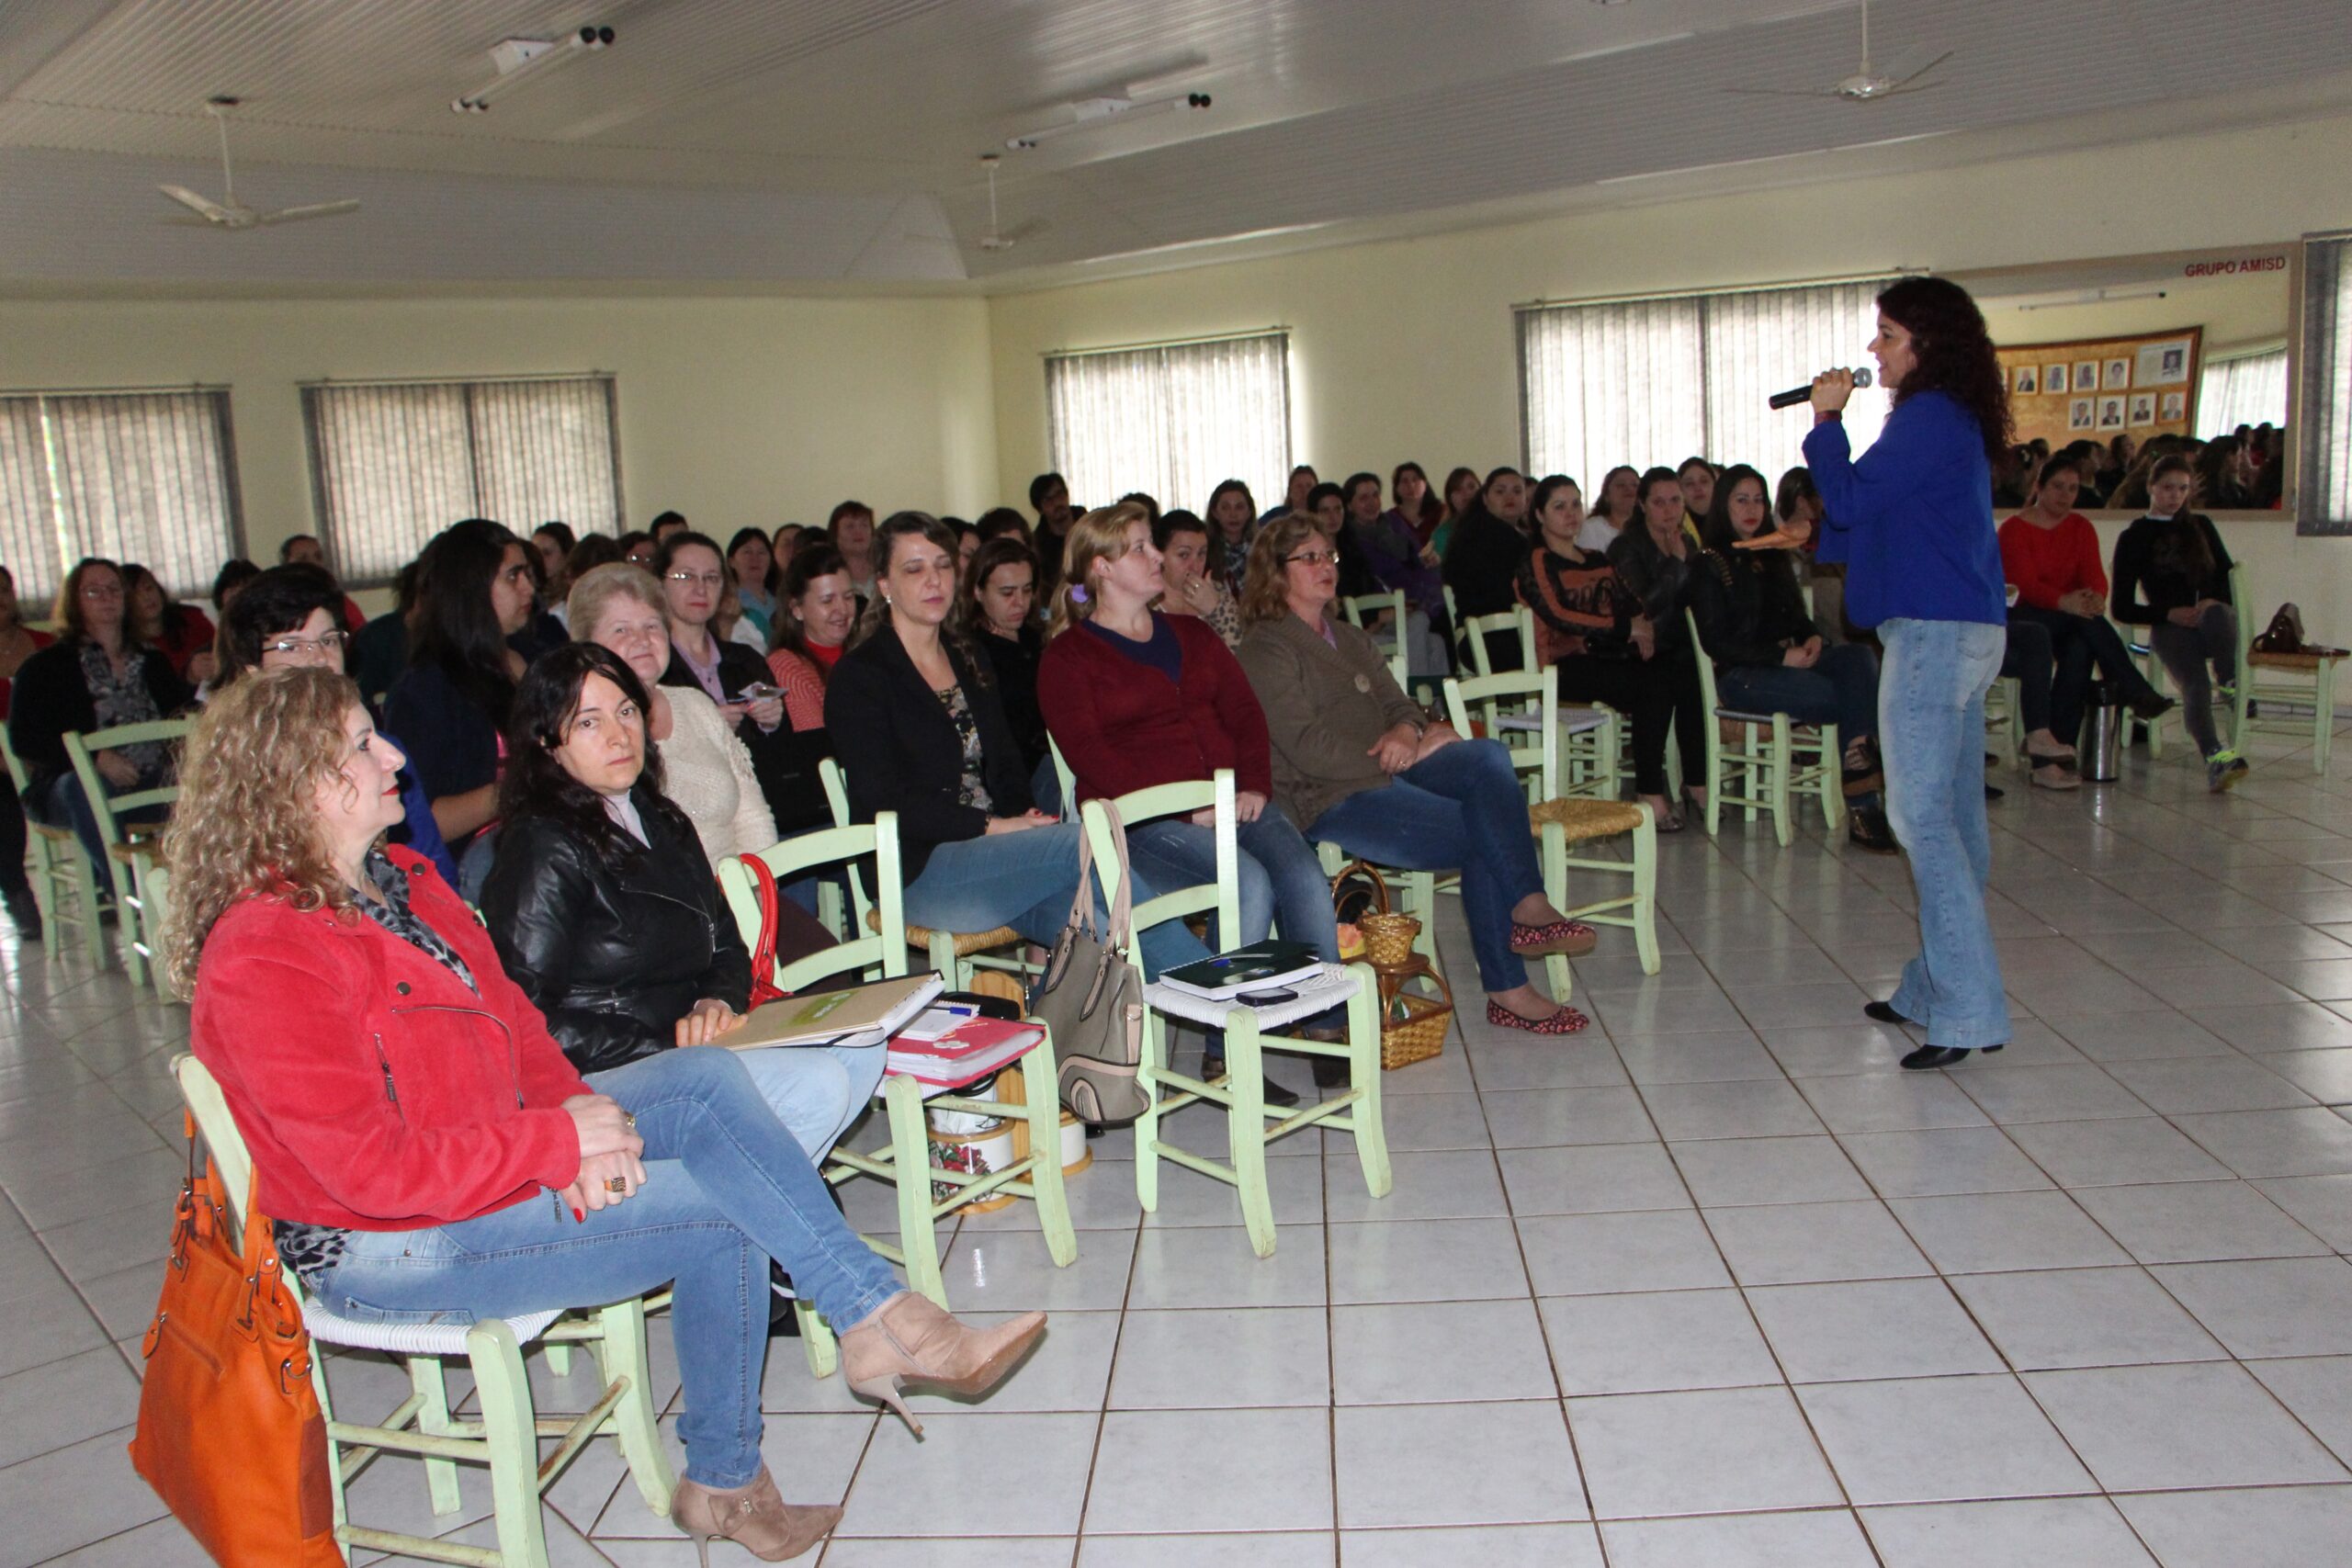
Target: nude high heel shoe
x,y
754,1516
910,1338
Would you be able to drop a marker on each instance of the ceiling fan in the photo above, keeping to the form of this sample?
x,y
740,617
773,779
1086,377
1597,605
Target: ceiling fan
x,y
999,239
230,213
1864,86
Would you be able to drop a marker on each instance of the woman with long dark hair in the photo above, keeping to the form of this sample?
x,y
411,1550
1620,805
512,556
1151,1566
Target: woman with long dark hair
x,y
1615,507
1913,520
1483,554
181,633
474,591
2172,575
1233,524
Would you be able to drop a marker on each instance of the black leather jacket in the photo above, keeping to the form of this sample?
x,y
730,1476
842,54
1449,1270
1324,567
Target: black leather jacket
x,y
614,957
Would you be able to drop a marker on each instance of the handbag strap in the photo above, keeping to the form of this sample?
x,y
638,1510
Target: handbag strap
x,y
1122,904
764,986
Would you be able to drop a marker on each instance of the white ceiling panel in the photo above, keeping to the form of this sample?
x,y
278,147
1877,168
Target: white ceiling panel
x,y
837,140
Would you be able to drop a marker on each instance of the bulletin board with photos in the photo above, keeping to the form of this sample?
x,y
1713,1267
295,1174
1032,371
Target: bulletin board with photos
x,y
2098,388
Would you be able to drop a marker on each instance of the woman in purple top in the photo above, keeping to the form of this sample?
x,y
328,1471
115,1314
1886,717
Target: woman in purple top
x,y
1400,561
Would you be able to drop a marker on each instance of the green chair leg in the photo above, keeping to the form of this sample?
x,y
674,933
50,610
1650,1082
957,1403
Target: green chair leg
x,y
911,1158
1154,1062
131,927
1246,1130
621,1353
1363,1071
1041,1087
816,1340
1554,855
511,1432
1832,783
432,1390
558,1357
1782,760
85,900
326,1413
1716,775
1646,894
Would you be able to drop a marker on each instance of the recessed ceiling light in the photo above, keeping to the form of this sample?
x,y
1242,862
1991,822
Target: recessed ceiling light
x,y
1609,1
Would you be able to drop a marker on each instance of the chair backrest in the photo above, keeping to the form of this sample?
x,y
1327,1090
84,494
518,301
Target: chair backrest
x,y
1360,608
1068,780
881,953
1221,897
231,1162
81,750
1530,700
1518,619
16,766
836,786
1706,667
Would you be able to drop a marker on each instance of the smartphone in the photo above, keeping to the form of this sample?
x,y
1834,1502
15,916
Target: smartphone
x,y
758,691
1266,998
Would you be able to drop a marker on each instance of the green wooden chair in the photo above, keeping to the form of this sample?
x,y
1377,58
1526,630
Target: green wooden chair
x,y
882,952
2288,680
1364,610
507,1437
64,883
1355,1111
1559,820
957,955
134,849
1773,758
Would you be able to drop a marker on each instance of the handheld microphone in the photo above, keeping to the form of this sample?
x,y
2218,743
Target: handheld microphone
x,y
1796,395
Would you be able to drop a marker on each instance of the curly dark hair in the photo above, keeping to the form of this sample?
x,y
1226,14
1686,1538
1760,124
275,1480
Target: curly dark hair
x,y
538,785
1955,356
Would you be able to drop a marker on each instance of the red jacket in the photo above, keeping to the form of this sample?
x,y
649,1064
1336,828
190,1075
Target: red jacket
x,y
374,1090
1122,727
2046,564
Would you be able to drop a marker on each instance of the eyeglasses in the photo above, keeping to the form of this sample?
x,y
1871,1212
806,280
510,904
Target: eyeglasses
x,y
328,642
1314,557
708,579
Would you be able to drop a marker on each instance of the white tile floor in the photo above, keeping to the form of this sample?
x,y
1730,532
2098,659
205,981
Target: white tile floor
x,y
1712,1283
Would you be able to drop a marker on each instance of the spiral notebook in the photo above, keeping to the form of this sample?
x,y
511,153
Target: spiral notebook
x,y
857,1015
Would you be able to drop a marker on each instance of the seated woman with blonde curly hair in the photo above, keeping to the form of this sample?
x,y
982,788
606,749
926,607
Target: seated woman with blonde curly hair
x,y
423,1147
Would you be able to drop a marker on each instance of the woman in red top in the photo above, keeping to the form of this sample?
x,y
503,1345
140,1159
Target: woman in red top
x,y
2050,554
182,633
1137,698
423,1147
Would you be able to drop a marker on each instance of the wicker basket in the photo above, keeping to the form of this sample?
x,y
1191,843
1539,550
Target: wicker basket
x,y
1389,939
1412,1028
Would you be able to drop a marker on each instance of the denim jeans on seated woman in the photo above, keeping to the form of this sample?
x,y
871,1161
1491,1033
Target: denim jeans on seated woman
x,y
1281,879
1458,809
817,1091
1841,689
1027,880
67,807
1931,735
726,1189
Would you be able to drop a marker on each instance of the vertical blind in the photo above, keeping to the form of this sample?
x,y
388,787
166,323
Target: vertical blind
x,y
1172,420
144,477
2241,389
394,463
2323,404
1650,382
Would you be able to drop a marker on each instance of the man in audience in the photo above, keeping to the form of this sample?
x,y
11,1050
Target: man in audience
x,y
1049,499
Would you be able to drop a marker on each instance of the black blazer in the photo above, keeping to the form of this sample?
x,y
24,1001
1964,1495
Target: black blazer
x,y
613,956
900,748
785,761
50,701
1749,610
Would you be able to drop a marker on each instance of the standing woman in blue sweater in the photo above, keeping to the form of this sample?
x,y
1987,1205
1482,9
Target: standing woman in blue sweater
x,y
1912,518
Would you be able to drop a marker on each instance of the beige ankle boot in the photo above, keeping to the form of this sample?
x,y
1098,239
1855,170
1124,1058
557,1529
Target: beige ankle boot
x,y
911,1340
754,1516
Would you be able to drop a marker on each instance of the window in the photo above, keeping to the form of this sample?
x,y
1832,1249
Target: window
x,y
2241,389
1650,382
394,463
2322,416
1172,419
143,477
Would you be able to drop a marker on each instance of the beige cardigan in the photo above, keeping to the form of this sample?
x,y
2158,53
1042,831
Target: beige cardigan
x,y
707,770
1326,704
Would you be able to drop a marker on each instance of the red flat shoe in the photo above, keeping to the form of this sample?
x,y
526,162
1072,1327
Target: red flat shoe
x,y
1567,939
1568,1021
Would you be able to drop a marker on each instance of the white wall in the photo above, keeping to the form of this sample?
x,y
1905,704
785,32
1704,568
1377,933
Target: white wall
x,y
734,411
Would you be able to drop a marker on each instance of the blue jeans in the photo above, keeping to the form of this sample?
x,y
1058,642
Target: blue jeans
x,y
817,1091
1842,689
1458,809
725,1191
1281,879
1931,735
67,807
1027,880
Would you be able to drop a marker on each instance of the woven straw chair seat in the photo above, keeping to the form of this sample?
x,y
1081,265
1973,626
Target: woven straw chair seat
x,y
1583,820
966,942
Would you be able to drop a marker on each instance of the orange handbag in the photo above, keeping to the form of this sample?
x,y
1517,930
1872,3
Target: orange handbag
x,y
230,1432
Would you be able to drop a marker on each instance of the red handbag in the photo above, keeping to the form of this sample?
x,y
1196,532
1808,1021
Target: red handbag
x,y
229,1431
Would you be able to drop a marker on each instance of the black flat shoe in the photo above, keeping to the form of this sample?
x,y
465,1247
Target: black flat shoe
x,y
1940,1056
1881,1012
1866,828
1213,1068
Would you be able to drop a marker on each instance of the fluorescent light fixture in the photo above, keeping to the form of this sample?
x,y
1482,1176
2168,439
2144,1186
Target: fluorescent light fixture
x,y
2086,296
521,60
1091,112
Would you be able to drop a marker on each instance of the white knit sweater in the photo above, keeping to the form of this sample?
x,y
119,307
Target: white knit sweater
x,y
707,770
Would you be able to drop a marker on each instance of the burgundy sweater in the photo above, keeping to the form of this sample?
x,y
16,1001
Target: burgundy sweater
x,y
1122,725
